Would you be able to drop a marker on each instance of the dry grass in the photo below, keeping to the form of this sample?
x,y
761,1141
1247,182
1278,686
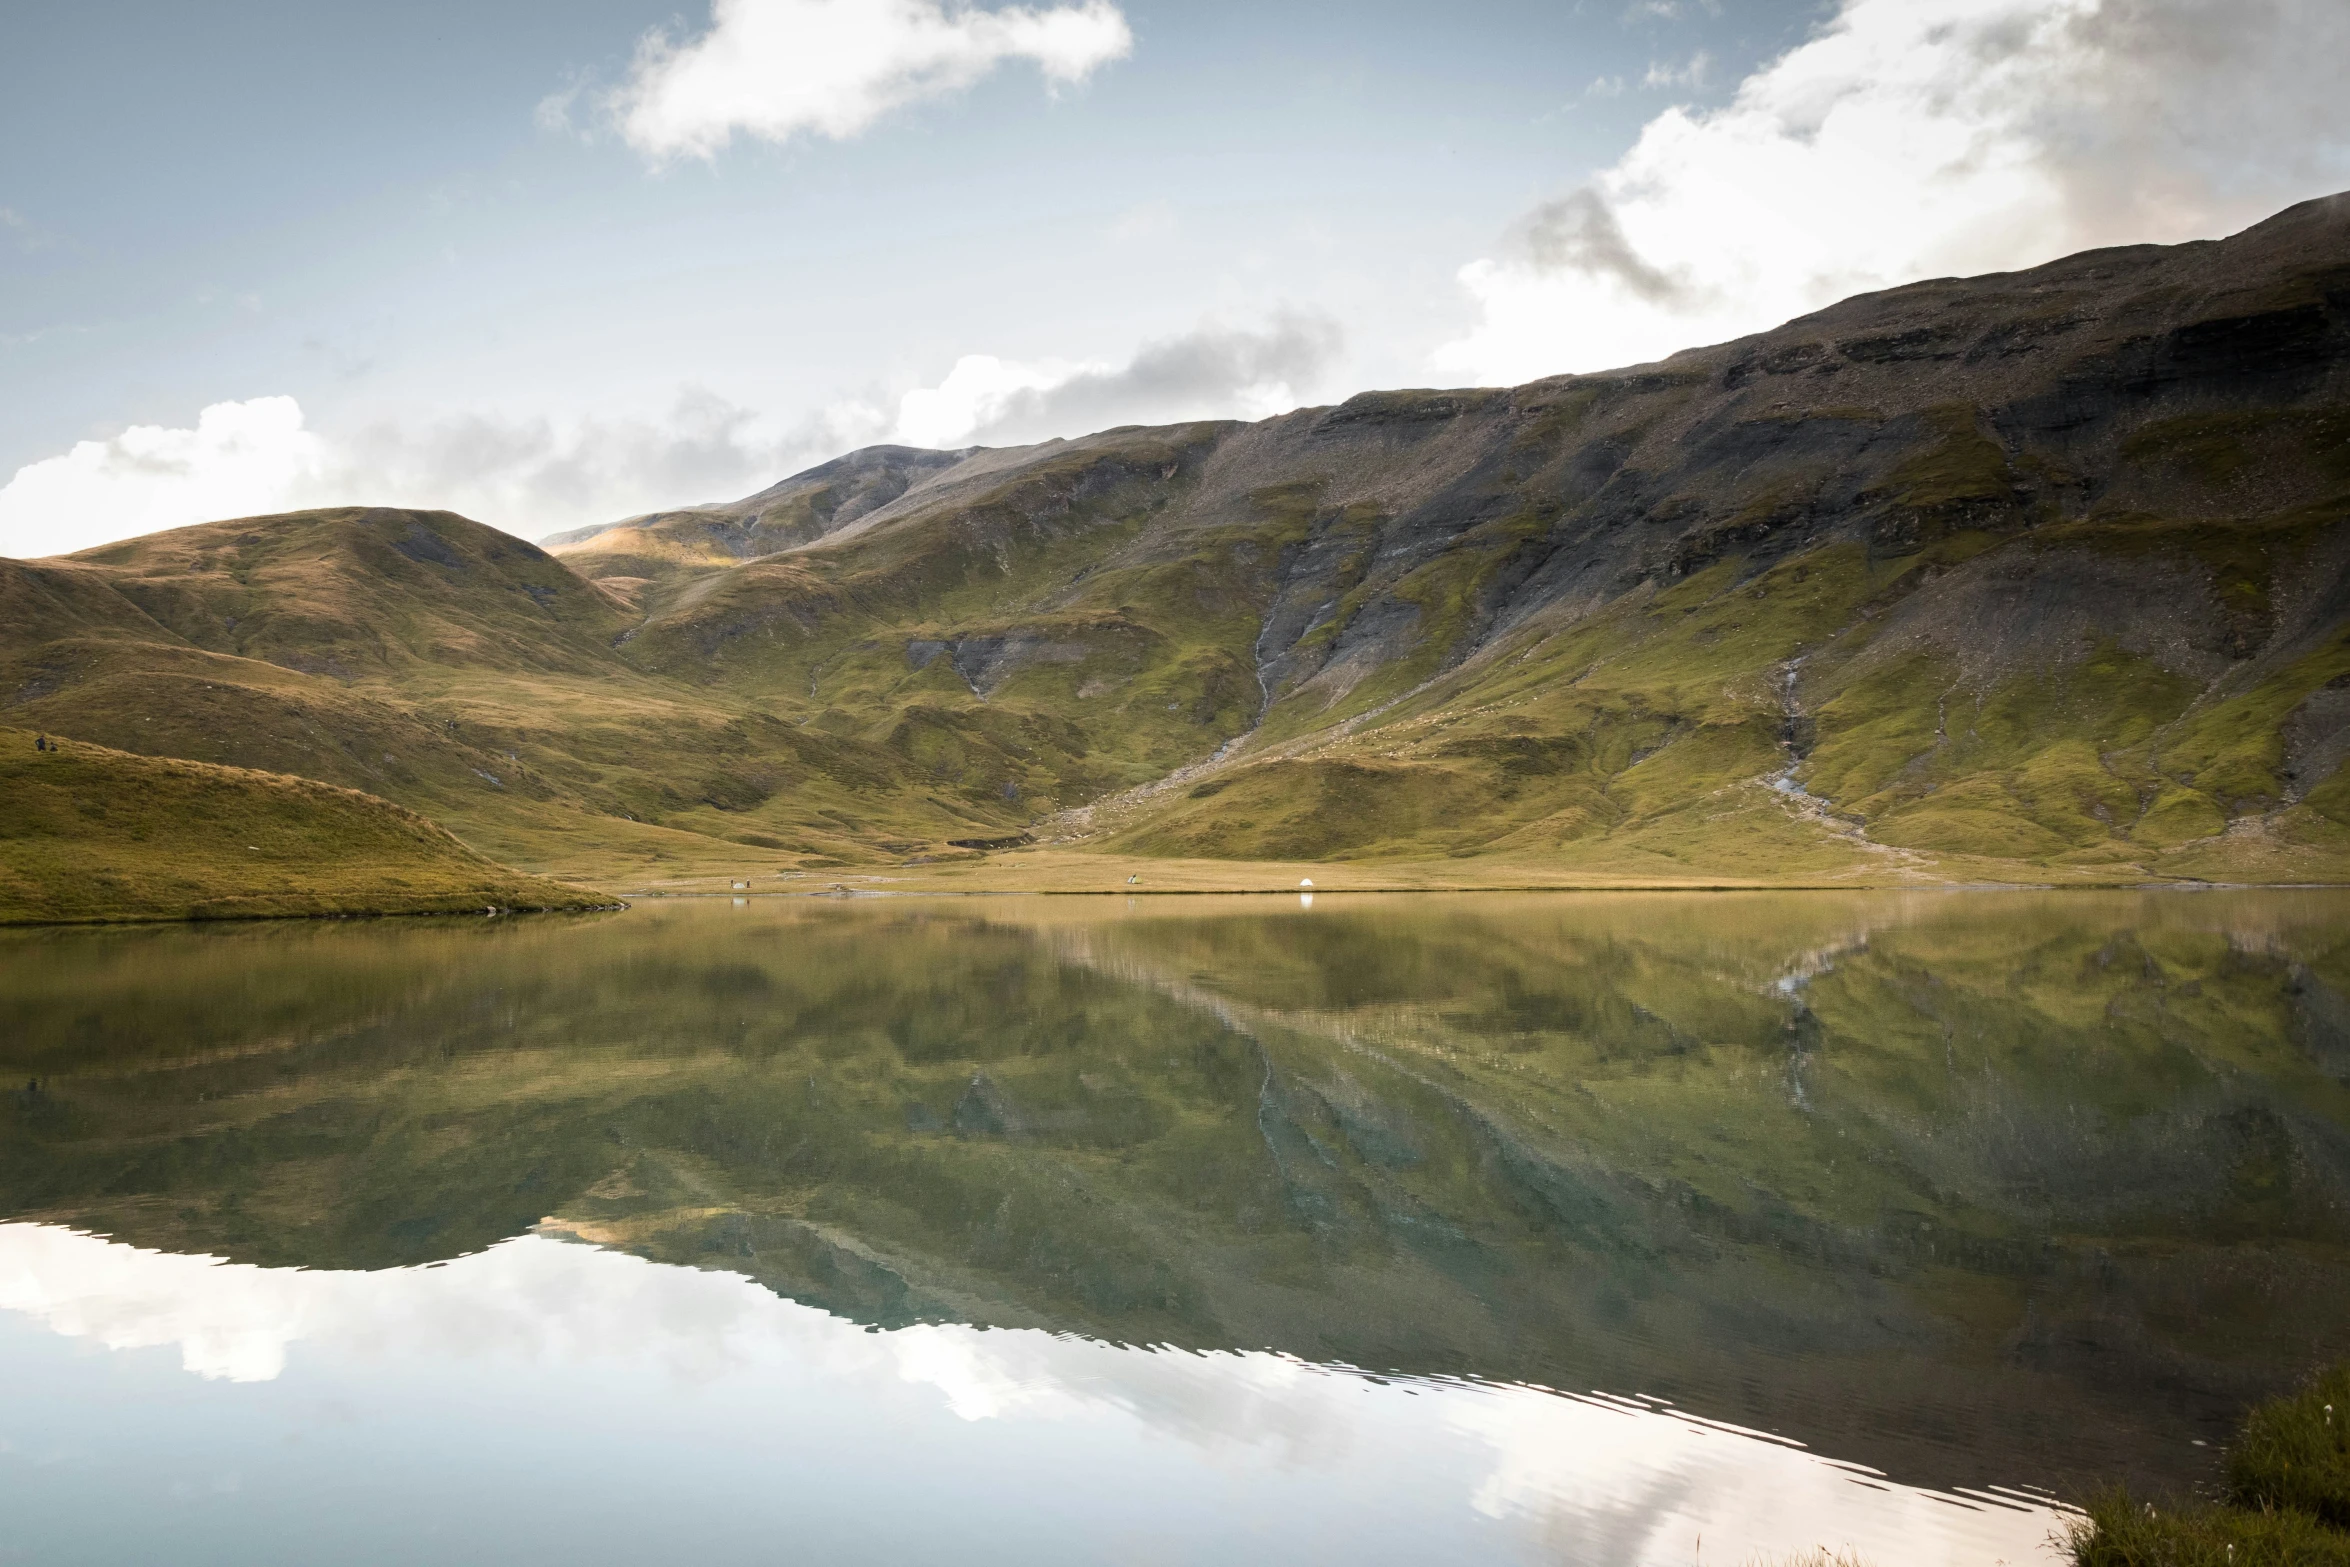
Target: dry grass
x,y
91,834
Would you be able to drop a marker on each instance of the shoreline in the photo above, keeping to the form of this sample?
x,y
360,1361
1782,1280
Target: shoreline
x,y
837,893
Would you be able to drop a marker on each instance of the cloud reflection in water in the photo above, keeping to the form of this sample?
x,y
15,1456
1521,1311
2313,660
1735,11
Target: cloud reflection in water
x,y
1521,1472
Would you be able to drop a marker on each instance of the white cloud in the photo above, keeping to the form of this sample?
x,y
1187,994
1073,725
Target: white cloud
x,y
777,68
528,476
1213,372
241,458
553,113
1916,138
1690,76
531,476
977,394
534,476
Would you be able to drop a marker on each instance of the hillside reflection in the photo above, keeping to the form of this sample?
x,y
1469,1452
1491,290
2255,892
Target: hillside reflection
x,y
1986,1188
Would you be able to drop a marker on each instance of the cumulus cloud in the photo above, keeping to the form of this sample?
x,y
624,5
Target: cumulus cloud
x,y
240,458
775,69
1213,372
1919,138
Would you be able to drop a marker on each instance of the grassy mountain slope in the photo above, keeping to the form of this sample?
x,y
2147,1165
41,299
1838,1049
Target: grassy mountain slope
x,y
2046,567
800,510
97,834
2038,574
421,657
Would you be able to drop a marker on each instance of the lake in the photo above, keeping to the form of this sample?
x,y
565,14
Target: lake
x,y
1553,1228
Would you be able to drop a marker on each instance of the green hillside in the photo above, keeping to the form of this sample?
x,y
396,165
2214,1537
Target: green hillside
x,y
96,834
2031,576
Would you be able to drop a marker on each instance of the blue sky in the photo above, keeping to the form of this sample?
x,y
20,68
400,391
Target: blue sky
x,y
422,254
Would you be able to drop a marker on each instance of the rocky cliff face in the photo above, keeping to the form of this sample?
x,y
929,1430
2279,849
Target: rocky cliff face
x,y
2046,567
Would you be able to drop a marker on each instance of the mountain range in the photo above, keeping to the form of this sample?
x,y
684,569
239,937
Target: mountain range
x,y
2034,576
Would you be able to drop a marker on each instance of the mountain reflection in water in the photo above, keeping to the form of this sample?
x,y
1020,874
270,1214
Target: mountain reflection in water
x,y
1980,1191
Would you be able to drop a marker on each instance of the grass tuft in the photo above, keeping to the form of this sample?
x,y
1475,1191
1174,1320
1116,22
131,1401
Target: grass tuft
x,y
2288,1497
2120,1530
2294,1453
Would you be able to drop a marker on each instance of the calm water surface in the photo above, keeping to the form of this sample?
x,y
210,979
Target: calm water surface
x,y
1639,1229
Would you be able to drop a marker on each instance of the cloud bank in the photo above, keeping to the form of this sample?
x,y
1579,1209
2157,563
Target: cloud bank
x,y
525,475
1212,373
535,476
774,69
1920,138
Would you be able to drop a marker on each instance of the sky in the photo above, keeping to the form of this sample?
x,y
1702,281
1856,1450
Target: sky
x,y
555,262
